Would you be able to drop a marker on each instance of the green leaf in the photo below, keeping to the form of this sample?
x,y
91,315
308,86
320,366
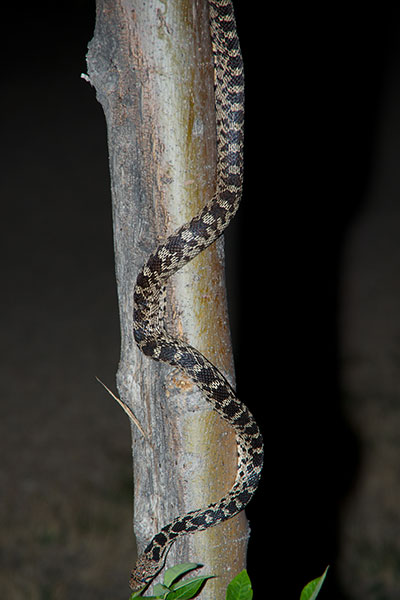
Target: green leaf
x,y
187,589
138,596
311,591
160,589
145,597
174,572
240,587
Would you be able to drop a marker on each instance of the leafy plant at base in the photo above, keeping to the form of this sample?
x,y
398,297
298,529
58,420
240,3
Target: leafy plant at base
x,y
311,590
174,589
238,589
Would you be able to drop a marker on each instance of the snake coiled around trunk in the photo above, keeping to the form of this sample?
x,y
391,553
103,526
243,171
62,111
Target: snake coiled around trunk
x,y
186,243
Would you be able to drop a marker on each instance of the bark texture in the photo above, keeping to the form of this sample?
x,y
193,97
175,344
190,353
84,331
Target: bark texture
x,y
151,65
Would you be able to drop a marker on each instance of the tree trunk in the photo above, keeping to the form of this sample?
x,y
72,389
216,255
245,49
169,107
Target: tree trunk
x,y
151,64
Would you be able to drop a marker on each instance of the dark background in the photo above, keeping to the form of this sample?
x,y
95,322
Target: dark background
x,y
314,84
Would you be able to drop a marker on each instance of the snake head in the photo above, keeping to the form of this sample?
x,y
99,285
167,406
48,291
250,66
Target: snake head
x,y
145,570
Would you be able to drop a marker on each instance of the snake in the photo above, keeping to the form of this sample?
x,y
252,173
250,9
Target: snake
x,y
171,255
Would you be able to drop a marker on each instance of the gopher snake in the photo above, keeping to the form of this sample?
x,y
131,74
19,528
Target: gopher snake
x,y
174,253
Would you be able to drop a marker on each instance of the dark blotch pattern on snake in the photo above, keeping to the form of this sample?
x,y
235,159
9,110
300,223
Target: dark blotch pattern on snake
x,y
178,249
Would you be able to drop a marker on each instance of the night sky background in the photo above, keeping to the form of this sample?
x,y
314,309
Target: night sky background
x,y
315,78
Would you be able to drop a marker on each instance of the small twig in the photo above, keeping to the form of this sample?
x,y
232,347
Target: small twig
x,y
126,409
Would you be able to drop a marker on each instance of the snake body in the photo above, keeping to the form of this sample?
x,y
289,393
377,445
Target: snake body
x,y
179,248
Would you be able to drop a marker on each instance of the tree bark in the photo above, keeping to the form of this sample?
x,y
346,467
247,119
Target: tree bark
x,y
151,64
